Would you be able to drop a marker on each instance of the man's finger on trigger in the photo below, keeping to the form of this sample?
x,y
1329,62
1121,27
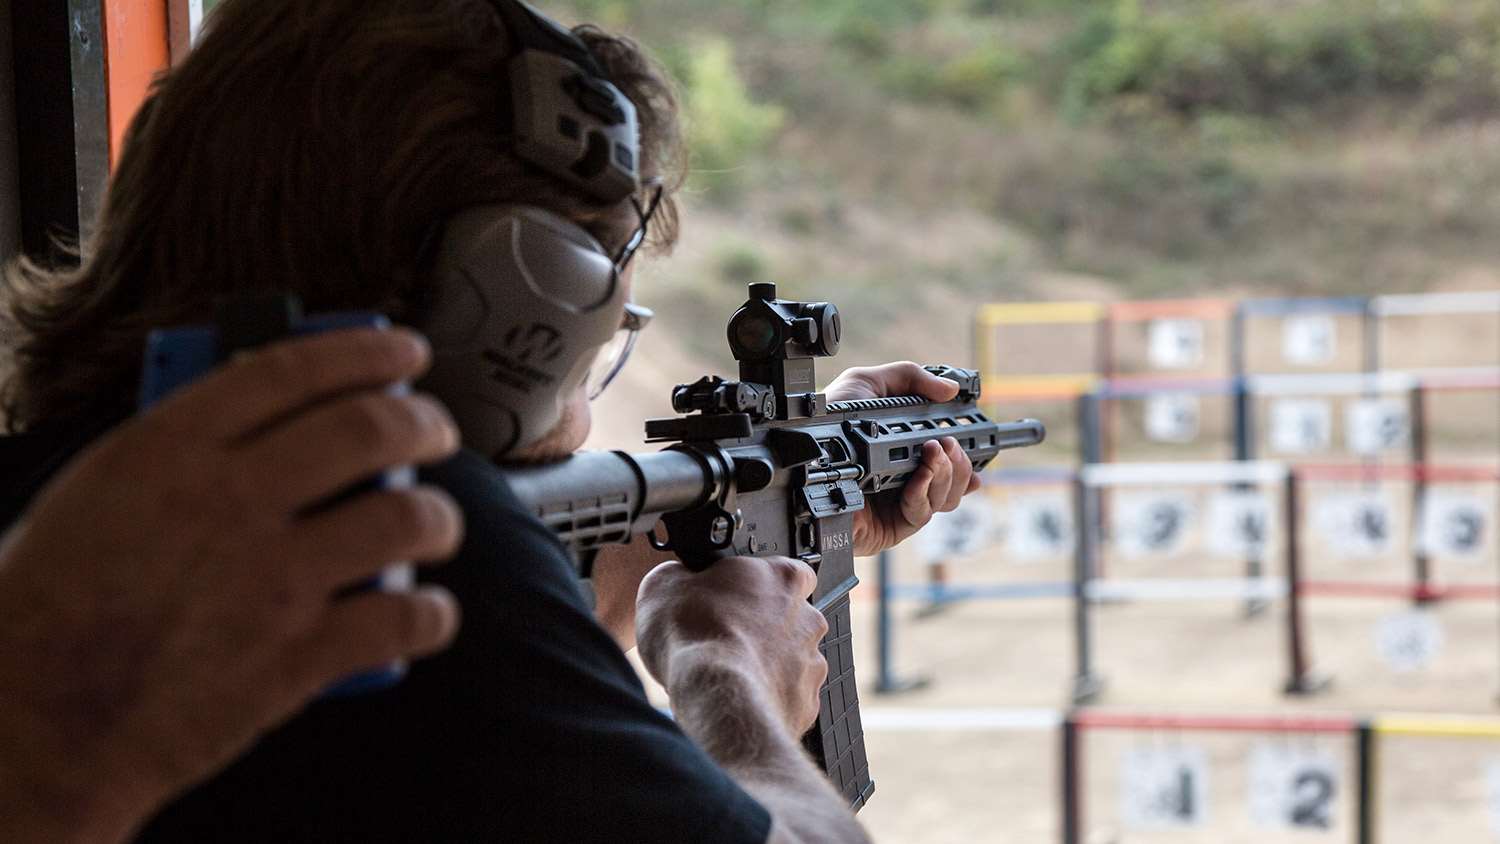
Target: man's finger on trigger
x,y
975,482
259,387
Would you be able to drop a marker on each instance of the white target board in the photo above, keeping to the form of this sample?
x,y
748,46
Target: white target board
x,y
1239,524
1309,339
1041,527
1148,524
1454,526
1294,787
960,532
1409,640
1301,426
1492,794
1164,788
1356,526
1173,418
1372,426
1176,343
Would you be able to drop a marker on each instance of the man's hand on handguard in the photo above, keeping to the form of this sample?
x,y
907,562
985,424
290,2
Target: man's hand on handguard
x,y
169,596
944,478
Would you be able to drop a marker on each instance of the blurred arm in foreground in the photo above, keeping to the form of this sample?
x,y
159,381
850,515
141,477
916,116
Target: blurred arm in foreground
x,y
167,597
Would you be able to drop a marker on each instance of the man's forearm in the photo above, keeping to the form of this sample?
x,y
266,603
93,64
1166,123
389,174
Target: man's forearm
x,y
728,711
618,570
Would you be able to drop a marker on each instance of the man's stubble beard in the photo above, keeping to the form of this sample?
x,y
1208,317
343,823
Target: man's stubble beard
x,y
566,437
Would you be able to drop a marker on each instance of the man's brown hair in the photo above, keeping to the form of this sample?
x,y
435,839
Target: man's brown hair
x,y
303,146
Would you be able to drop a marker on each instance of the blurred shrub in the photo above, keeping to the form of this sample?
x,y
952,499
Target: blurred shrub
x,y
1246,59
741,262
971,80
726,127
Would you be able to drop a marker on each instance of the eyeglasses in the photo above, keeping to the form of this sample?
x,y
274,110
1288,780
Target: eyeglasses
x,y
645,212
612,356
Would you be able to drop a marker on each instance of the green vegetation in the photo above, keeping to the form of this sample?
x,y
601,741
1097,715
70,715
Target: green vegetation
x,y
966,150
1253,60
728,129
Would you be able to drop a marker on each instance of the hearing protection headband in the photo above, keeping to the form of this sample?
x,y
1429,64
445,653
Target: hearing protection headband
x,y
567,117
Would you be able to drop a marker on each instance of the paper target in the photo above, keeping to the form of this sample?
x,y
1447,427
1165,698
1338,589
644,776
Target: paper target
x,y
1492,794
1409,640
1041,527
1164,788
1357,526
1372,426
1301,426
1172,418
1309,340
1294,787
1454,526
1152,524
1176,343
1239,524
958,533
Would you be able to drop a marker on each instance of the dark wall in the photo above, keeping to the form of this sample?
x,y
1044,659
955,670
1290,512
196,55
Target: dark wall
x,y
10,202
62,121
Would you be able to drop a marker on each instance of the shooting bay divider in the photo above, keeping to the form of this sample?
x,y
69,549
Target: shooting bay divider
x,y
1088,684
887,591
1303,342
1000,385
1422,589
1297,791
1172,792
1089,587
1385,310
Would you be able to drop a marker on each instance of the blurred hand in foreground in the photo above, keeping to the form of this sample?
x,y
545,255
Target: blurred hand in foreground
x,y
169,595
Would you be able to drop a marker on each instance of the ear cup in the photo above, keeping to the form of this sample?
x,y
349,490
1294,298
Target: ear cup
x,y
522,300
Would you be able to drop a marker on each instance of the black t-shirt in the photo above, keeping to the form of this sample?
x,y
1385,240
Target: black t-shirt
x,y
532,727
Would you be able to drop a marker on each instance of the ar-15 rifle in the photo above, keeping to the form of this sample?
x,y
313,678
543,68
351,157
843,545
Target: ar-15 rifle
x,y
767,466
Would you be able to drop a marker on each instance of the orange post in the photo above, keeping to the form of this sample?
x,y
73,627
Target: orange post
x,y
136,50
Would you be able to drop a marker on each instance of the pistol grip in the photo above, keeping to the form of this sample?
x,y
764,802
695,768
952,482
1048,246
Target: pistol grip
x,y
837,741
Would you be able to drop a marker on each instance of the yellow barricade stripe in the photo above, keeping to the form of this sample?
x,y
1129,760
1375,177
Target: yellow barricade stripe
x,y
1039,386
1436,727
999,313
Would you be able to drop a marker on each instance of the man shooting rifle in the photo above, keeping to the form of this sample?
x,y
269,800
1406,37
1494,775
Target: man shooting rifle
x,y
477,172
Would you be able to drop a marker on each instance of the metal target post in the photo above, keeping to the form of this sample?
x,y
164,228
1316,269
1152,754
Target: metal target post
x,y
1087,520
886,679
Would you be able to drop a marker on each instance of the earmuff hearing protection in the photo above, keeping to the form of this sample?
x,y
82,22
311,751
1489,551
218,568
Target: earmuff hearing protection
x,y
524,298
524,301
